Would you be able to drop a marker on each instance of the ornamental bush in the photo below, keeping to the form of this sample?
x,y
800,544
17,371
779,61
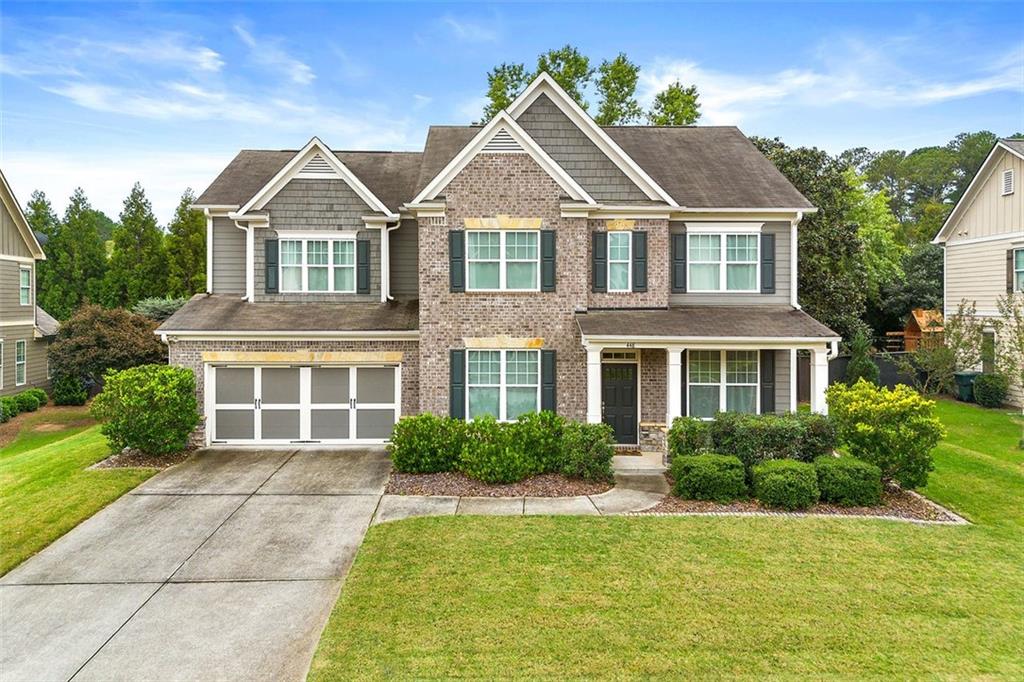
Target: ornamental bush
x,y
895,430
587,451
8,408
819,436
990,390
151,408
40,395
489,453
786,484
69,390
756,438
688,436
539,436
96,340
720,478
849,481
27,401
426,443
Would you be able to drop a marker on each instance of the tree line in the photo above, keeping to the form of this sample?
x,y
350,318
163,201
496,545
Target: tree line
x,y
92,259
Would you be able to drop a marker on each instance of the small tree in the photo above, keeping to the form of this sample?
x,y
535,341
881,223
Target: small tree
x,y
1010,332
151,408
861,366
675,106
960,349
616,84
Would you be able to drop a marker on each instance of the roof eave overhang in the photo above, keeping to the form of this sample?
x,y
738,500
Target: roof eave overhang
x,y
14,208
968,196
712,342
286,335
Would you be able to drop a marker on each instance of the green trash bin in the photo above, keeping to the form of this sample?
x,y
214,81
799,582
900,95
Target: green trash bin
x,y
965,385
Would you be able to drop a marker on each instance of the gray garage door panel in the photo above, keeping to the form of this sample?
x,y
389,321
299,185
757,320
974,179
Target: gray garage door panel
x,y
329,424
235,425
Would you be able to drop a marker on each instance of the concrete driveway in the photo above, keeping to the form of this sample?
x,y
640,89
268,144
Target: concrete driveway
x,y
224,567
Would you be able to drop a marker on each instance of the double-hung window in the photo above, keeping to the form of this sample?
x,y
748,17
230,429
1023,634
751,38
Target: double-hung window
x,y
1018,270
19,363
722,382
25,286
318,265
502,383
503,260
620,261
723,262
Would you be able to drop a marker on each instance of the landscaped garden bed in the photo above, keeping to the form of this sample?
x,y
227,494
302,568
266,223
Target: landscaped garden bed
x,y
133,459
455,484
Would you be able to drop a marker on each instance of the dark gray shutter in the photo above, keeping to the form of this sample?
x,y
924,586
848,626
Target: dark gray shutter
x,y
457,384
547,381
684,388
547,260
767,263
679,264
270,270
767,381
457,260
1009,271
362,266
599,262
639,261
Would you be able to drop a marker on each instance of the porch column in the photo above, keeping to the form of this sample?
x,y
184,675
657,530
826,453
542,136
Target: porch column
x,y
594,384
819,380
675,384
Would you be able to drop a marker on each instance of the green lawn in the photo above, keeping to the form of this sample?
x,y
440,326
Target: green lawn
x,y
699,597
45,491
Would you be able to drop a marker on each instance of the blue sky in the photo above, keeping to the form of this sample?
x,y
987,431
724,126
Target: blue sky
x,y
103,94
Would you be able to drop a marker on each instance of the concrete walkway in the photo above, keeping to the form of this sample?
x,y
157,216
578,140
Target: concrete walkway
x,y
224,567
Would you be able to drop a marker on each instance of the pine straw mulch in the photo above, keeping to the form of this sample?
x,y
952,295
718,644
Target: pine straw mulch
x,y
458,485
133,459
895,503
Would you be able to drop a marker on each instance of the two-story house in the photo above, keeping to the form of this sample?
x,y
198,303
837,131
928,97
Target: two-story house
x,y
25,329
983,242
622,274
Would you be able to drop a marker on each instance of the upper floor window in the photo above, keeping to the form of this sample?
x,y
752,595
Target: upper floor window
x,y
708,394
503,260
1007,181
502,383
318,265
723,262
620,261
25,286
19,363
1018,270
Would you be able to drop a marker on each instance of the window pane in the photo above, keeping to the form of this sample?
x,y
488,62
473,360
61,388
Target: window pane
x,y
1018,259
344,279
19,351
521,245
618,246
705,367
1020,281
345,253
741,277
520,401
484,245
291,252
521,276
741,248
741,399
705,247
741,367
316,252
291,279
703,401
704,277
484,276
521,367
483,401
618,276
318,279
484,367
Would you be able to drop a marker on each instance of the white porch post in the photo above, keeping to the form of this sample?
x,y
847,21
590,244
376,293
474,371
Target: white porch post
x,y
819,380
792,380
594,384
675,384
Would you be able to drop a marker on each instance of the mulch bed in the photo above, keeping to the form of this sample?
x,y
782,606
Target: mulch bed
x,y
895,502
458,485
135,459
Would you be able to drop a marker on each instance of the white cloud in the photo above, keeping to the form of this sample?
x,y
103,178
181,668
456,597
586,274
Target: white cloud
x,y
268,52
468,31
420,101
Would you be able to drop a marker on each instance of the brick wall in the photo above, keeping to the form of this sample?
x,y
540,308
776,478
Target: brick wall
x,y
658,254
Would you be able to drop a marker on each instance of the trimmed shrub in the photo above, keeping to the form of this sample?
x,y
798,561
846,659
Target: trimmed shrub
x,y
489,455
69,390
151,408
688,436
786,484
990,390
426,443
849,481
539,436
720,478
587,451
27,402
895,430
9,407
40,395
756,438
819,437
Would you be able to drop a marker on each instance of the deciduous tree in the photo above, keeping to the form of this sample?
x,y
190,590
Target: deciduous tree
x,y
504,82
570,69
616,85
675,106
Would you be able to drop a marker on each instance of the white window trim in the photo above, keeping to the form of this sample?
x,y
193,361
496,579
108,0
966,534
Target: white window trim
x,y
628,261
723,264
23,362
1007,174
503,385
331,266
22,287
502,261
723,382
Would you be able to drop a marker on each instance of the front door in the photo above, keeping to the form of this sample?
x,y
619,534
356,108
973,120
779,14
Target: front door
x,y
619,400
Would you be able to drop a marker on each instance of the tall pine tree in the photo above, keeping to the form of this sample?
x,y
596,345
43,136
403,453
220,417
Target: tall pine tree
x,y
138,263
186,249
40,215
76,260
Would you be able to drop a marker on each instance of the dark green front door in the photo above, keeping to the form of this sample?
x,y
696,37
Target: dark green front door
x,y
619,399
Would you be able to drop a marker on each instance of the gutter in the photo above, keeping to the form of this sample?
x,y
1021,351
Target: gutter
x,y
794,274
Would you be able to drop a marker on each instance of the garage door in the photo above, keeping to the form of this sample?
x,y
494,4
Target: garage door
x,y
303,404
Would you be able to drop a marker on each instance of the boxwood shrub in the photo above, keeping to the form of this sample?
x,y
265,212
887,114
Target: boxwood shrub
x,y
40,395
786,483
489,453
719,478
849,481
819,436
8,408
27,401
587,451
990,390
689,436
426,443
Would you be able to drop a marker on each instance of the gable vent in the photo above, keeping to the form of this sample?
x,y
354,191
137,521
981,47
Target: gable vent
x,y
1007,181
502,142
317,166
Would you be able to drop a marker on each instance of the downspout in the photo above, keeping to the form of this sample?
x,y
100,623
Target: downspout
x,y
385,261
250,262
794,275
209,251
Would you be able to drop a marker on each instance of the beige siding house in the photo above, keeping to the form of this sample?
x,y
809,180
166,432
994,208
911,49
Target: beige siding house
x,y
983,237
25,329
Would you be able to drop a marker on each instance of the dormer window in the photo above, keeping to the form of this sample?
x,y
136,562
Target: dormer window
x,y
1007,182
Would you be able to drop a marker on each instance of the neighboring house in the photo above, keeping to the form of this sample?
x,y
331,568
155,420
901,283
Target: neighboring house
x,y
25,329
625,274
983,242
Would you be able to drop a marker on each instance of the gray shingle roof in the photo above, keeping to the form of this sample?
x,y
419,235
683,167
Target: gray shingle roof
x,y
211,312
1014,143
45,323
705,321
